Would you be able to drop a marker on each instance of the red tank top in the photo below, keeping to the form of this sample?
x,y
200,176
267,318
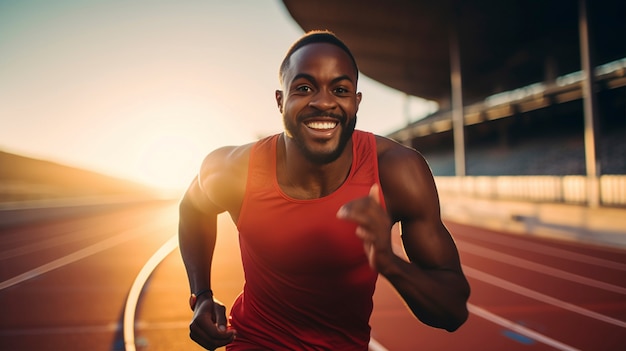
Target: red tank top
x,y
308,284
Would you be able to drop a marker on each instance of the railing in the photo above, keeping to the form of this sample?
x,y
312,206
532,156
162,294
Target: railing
x,y
562,189
528,98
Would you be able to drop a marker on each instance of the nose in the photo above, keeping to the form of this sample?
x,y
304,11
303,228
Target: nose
x,y
323,100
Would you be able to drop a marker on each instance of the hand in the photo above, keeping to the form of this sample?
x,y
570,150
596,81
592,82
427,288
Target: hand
x,y
208,326
374,227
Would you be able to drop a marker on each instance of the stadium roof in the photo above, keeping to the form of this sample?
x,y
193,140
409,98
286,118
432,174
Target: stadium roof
x,y
503,44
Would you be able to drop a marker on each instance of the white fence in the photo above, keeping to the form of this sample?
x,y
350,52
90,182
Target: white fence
x,y
565,189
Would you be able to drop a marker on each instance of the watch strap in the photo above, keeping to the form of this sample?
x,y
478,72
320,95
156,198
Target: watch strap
x,y
194,297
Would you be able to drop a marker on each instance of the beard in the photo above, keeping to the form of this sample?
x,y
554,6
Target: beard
x,y
317,157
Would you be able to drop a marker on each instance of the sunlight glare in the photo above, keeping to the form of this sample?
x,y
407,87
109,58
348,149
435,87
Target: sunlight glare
x,y
169,162
169,140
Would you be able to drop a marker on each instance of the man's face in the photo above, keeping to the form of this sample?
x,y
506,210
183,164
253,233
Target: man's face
x,y
319,101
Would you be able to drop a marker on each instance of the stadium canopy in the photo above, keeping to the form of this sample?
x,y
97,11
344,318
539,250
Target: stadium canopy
x,y
460,52
502,44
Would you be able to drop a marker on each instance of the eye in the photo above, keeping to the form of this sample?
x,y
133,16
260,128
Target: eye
x,y
341,91
303,88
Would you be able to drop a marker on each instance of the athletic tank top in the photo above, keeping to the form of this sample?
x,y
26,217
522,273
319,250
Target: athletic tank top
x,y
308,284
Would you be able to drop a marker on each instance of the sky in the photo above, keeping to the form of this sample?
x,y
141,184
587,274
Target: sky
x,y
143,90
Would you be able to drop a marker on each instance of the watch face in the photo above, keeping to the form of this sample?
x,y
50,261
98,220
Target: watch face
x,y
192,301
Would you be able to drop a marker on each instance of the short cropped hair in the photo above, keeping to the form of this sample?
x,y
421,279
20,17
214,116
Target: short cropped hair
x,y
313,37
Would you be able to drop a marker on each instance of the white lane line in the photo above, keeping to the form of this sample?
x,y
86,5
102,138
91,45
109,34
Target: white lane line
x,y
376,346
75,256
518,289
137,287
546,250
43,244
480,312
540,268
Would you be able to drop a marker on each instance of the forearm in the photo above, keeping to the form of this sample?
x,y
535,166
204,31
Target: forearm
x,y
197,236
437,297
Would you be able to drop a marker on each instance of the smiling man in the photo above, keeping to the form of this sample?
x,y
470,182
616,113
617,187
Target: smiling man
x,y
314,207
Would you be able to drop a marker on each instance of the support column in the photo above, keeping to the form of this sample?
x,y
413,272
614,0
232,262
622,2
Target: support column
x,y
589,107
408,140
458,119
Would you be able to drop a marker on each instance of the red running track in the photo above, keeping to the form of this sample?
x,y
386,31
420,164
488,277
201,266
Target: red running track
x,y
528,293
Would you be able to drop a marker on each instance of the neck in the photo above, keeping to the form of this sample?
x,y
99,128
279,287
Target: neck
x,y
303,179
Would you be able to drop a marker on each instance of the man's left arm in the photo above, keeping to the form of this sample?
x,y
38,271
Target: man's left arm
x,y
432,282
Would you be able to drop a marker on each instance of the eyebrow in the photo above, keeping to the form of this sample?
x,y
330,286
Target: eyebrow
x,y
312,79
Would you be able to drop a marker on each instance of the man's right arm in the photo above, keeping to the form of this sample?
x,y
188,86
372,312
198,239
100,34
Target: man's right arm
x,y
197,237
197,233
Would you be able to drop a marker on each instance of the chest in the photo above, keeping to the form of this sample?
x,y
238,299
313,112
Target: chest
x,y
302,236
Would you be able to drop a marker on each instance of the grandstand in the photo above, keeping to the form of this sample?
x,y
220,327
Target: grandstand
x,y
532,94
531,135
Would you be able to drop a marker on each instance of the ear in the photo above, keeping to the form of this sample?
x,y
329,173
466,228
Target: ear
x,y
359,96
279,100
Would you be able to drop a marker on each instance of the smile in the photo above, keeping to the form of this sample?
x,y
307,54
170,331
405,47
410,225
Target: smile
x,y
321,125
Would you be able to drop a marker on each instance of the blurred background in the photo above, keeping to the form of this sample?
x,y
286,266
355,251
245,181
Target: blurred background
x,y
107,109
143,90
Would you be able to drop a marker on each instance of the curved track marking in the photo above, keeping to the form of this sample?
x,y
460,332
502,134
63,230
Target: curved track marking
x,y
137,287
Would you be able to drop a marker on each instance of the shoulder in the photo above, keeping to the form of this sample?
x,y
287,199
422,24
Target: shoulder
x,y
222,176
406,180
226,159
394,157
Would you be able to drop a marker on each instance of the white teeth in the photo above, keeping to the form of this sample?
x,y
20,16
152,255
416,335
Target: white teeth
x,y
321,125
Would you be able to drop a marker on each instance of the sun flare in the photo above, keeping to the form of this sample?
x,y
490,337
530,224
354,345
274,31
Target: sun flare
x,y
168,162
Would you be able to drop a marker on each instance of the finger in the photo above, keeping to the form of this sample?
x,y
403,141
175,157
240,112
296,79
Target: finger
x,y
220,317
205,332
211,339
201,336
360,232
354,208
359,210
375,193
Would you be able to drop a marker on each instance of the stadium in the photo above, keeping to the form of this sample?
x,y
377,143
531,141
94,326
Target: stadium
x,y
531,94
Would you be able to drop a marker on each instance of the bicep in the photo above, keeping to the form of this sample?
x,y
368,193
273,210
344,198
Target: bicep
x,y
412,199
197,199
429,245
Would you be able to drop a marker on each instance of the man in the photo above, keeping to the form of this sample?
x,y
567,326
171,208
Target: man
x,y
314,207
